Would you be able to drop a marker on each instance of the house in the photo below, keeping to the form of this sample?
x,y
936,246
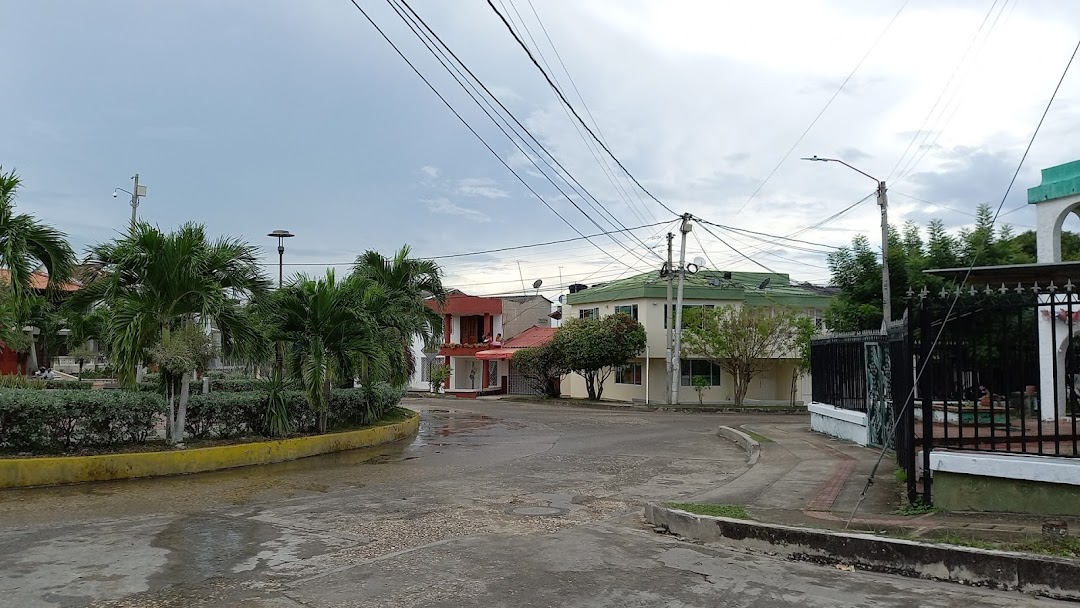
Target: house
x,y
470,324
523,312
12,362
644,297
530,338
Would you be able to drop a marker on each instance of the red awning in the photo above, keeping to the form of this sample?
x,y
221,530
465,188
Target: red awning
x,y
496,354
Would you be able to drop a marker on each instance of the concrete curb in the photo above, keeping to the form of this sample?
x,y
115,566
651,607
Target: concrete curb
x,y
1045,576
31,472
641,407
744,441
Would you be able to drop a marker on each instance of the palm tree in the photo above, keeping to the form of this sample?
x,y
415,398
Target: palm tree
x,y
400,287
154,283
27,244
334,336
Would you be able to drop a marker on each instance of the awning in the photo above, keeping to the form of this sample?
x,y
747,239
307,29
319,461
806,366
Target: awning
x,y
496,354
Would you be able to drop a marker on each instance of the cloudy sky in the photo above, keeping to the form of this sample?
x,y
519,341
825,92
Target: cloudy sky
x,y
253,116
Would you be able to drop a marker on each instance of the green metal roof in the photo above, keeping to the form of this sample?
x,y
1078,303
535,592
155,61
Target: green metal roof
x,y
1057,182
711,285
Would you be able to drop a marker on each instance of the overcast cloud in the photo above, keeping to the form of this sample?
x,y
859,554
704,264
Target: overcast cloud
x,y
250,117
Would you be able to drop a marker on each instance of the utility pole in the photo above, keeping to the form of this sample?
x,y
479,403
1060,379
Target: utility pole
x,y
669,318
886,287
677,346
883,202
135,200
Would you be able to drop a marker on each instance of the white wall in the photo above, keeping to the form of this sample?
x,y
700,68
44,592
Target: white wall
x,y
843,424
1029,467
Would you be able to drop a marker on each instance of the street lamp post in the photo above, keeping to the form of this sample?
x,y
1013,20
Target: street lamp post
x,y
139,192
883,202
281,235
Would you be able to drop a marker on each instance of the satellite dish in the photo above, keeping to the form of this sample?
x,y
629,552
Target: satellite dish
x,y
537,283
700,261
562,299
764,283
714,282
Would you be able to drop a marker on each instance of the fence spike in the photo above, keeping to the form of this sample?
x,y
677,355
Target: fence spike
x,y
989,290
910,291
972,291
944,293
1003,290
1069,285
1019,288
1035,287
1052,288
923,293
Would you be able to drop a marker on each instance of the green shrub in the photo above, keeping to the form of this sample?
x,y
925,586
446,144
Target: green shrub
x,y
105,373
236,414
20,381
68,385
149,378
236,385
59,420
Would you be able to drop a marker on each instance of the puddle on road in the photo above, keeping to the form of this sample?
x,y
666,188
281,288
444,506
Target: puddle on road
x,y
438,429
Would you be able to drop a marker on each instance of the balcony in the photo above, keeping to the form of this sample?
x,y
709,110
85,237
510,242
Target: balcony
x,y
462,350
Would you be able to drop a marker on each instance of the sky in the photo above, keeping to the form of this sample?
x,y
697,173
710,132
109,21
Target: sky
x,y
254,116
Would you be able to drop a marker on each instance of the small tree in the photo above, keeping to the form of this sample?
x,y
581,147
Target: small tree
x,y
744,341
700,382
592,347
437,378
540,367
804,331
82,356
180,353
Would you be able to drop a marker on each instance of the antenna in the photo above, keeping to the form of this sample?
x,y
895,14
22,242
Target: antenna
x,y
522,277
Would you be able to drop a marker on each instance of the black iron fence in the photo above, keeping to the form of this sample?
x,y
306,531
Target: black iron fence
x,y
838,367
981,359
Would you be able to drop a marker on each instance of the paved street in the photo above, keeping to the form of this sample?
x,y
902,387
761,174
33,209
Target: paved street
x,y
493,504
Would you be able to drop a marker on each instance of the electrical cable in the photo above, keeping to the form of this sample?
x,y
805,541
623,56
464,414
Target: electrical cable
x,y
562,97
476,134
417,28
823,109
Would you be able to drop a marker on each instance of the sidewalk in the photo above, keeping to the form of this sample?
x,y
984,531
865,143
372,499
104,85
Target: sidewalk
x,y
803,478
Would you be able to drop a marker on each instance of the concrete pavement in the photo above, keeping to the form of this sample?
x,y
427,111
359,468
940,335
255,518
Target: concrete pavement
x,y
493,504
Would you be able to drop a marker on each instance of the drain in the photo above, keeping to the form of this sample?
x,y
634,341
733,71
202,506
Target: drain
x,y
537,511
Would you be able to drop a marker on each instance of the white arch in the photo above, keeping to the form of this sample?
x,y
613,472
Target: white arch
x,y
1050,217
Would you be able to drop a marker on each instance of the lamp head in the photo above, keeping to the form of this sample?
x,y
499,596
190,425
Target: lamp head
x,y
281,234
114,193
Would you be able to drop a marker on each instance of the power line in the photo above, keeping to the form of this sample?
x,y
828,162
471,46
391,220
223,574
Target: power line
x,y
967,275
607,170
748,258
765,234
421,30
941,95
570,106
823,109
476,134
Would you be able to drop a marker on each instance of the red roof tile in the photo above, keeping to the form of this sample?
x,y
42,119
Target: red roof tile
x,y
38,281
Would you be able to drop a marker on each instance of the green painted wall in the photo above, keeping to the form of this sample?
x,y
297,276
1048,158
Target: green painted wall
x,y
961,492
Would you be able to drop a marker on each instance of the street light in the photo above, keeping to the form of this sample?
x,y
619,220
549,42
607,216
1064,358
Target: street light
x,y
140,192
280,235
883,202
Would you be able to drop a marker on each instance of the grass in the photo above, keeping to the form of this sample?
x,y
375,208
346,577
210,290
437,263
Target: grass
x,y
732,511
758,437
917,509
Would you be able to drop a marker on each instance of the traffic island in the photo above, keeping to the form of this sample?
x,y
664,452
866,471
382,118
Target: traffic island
x,y
48,471
1034,574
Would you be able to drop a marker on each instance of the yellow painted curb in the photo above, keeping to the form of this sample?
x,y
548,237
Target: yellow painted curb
x,y
28,472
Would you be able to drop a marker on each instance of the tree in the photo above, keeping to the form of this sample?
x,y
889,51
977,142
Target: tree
x,y
744,341
180,353
26,244
804,332
82,356
155,283
399,287
592,347
541,367
333,334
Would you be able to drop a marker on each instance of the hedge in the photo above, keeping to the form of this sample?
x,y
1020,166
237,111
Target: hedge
x,y
236,385
59,420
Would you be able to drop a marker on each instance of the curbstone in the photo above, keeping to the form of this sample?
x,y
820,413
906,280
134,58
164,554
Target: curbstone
x,y
48,471
1006,570
746,442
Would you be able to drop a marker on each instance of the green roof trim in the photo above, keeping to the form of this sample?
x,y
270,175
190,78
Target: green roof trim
x,y
1057,182
711,285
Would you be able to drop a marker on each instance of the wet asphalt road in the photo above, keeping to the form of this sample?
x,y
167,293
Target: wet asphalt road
x,y
492,504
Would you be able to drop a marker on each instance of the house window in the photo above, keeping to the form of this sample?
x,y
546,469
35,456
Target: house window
x,y
589,313
629,309
628,374
815,316
685,308
689,368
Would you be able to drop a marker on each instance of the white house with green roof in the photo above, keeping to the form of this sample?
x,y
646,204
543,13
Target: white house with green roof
x,y
644,297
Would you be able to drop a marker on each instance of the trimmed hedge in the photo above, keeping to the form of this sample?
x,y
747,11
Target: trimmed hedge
x,y
236,385
68,385
59,420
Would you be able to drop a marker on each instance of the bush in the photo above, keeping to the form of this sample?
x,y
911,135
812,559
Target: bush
x,y
236,414
68,385
236,385
59,420
20,381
